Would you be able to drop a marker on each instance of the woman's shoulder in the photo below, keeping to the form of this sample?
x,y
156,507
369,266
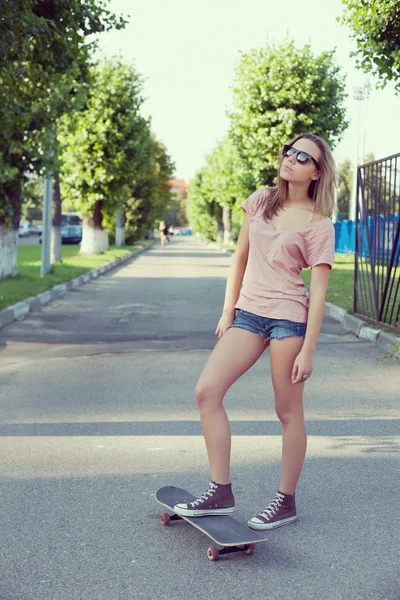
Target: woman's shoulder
x,y
256,202
264,192
325,223
321,228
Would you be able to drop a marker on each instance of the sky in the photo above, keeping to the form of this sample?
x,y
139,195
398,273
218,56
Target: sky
x,y
186,51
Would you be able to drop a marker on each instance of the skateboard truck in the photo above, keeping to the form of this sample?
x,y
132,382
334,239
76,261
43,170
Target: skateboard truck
x,y
213,553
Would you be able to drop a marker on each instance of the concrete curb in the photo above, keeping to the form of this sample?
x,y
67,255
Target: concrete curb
x,y
20,309
389,342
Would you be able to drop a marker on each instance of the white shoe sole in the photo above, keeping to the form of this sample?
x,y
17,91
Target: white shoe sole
x,y
266,526
186,512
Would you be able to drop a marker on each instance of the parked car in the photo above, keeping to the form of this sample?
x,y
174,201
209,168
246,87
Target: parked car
x,y
23,230
26,228
70,234
71,228
70,218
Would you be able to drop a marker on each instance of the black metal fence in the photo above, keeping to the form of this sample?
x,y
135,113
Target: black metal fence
x,y
377,244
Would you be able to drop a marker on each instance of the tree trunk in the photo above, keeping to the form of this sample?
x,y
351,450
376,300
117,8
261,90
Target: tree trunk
x,y
56,244
9,237
8,252
220,232
94,237
106,243
226,217
120,228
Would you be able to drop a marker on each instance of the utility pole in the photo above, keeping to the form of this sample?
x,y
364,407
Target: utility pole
x,y
48,203
46,224
360,94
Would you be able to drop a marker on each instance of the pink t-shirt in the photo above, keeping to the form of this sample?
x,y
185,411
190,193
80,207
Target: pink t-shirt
x,y
272,286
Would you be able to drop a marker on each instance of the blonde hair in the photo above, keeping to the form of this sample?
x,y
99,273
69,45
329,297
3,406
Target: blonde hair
x,y
321,191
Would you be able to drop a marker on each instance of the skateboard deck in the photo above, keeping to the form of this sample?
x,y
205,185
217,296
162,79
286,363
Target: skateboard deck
x,y
222,529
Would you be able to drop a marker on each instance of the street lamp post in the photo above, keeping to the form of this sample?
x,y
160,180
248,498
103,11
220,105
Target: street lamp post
x,y
361,94
46,225
47,206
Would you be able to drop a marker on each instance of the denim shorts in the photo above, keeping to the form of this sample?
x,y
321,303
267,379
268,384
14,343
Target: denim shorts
x,y
276,329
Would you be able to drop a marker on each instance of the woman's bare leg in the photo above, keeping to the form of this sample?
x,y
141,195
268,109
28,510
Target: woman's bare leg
x,y
289,408
235,353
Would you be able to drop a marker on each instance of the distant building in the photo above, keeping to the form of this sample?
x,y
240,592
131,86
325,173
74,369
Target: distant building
x,y
179,187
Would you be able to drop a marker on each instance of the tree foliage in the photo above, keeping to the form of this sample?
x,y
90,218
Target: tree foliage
x,y
226,178
345,185
226,182
44,54
149,193
201,210
103,144
279,92
217,192
375,27
175,211
379,183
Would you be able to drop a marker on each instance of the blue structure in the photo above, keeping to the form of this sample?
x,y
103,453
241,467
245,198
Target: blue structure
x,y
377,239
345,236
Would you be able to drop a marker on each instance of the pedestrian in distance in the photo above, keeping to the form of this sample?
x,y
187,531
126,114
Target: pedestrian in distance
x,y
164,229
286,228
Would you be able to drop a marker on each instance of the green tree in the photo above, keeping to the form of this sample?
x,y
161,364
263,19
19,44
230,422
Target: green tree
x,y
379,184
375,26
345,185
279,92
102,147
175,211
226,182
150,192
201,210
43,59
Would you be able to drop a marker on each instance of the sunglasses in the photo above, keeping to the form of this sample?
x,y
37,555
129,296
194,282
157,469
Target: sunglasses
x,y
302,157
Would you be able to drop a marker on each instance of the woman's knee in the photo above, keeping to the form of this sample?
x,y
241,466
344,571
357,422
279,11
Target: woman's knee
x,y
206,395
289,411
202,391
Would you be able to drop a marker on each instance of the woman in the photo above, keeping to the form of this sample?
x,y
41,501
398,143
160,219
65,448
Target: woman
x,y
163,228
286,229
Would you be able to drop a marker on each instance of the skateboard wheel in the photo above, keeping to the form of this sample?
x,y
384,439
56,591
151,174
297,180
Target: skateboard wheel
x,y
213,553
249,548
165,518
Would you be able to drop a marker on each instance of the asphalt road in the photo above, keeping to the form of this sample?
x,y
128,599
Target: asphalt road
x,y
97,411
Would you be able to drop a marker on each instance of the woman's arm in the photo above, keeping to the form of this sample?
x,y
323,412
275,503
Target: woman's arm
x,y
319,284
235,278
238,266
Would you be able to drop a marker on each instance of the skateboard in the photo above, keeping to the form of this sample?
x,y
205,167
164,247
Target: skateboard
x,y
222,529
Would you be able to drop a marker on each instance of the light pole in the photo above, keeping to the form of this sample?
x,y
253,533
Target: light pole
x,y
360,93
46,224
47,205
367,92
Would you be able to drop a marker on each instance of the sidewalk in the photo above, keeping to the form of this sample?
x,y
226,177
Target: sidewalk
x,y
97,412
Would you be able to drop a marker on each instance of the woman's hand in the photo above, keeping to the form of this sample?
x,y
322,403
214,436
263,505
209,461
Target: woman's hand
x,y
228,316
302,367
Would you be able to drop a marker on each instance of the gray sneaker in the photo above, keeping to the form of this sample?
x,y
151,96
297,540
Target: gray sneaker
x,y
281,511
217,500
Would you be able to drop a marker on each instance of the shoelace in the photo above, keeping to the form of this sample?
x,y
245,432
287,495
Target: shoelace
x,y
208,494
273,507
